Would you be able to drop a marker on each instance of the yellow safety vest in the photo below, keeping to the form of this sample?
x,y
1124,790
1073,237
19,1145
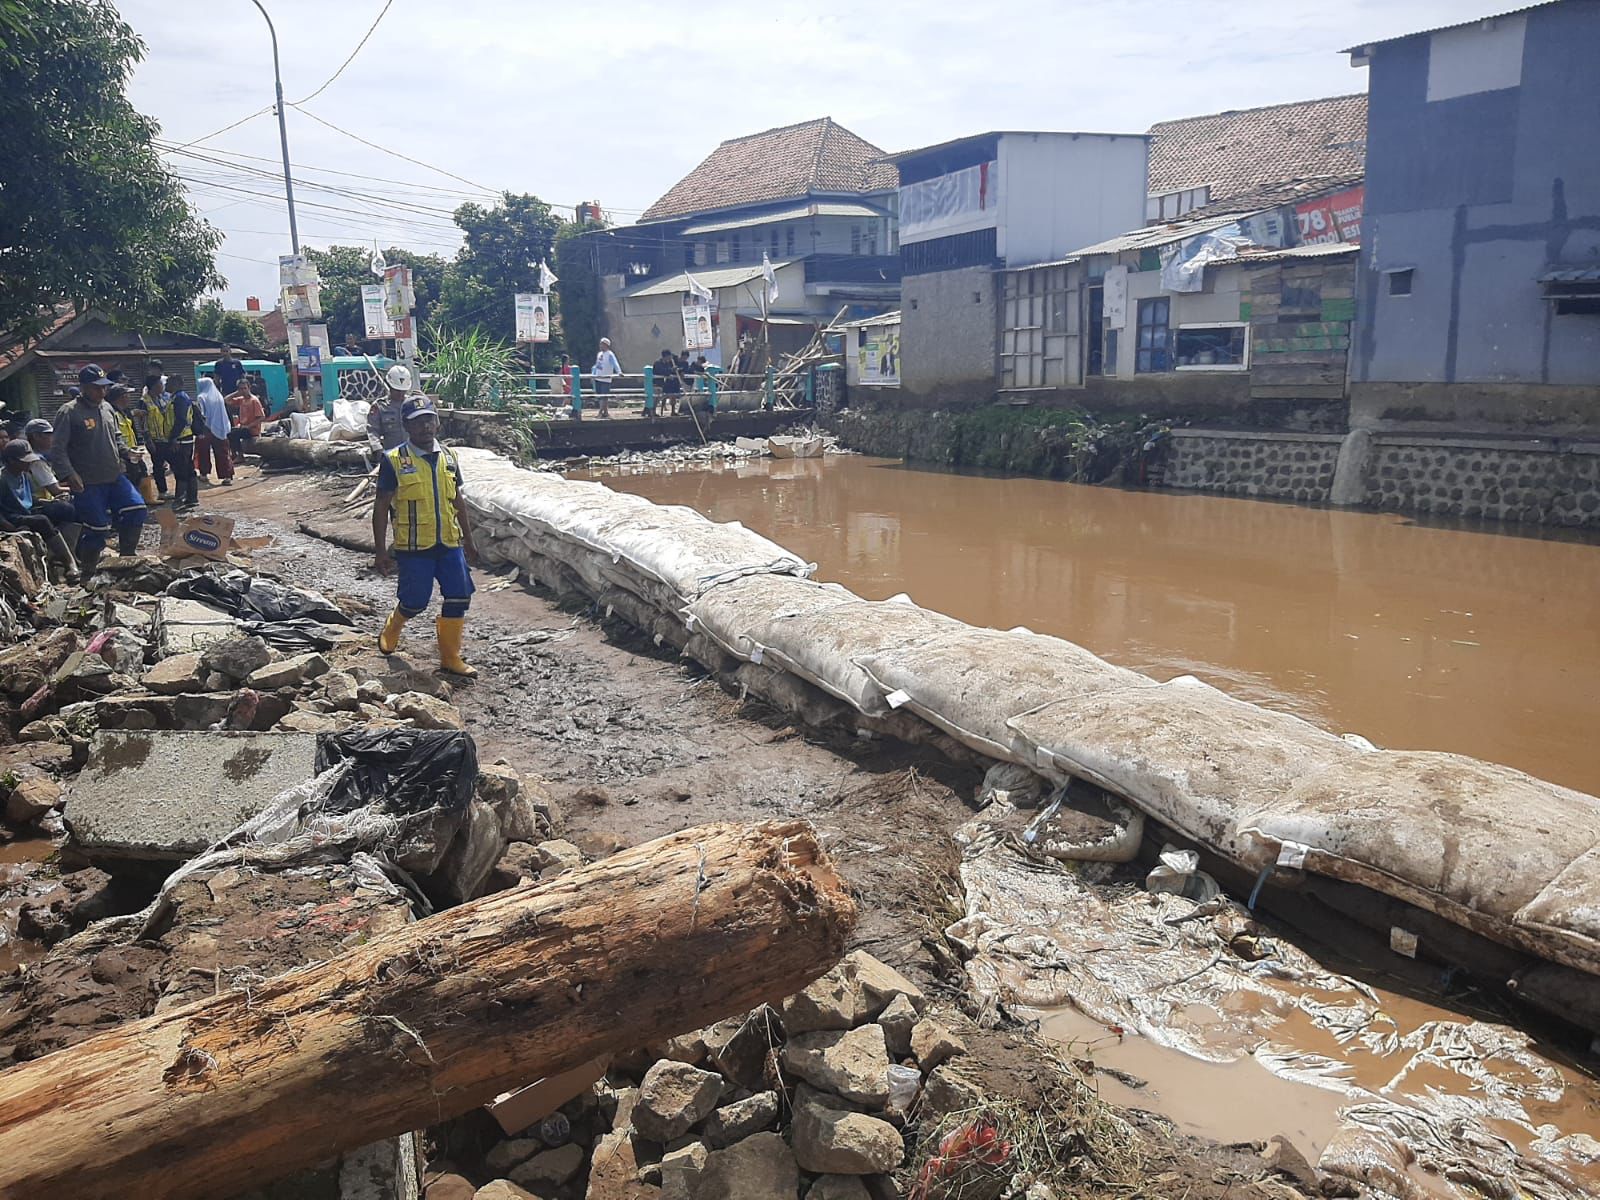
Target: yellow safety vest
x,y
162,415
423,512
125,426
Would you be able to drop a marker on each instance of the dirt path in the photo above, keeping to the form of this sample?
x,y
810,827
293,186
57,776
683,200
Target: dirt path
x,y
636,742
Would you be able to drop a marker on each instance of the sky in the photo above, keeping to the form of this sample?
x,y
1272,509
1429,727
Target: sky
x,y
615,102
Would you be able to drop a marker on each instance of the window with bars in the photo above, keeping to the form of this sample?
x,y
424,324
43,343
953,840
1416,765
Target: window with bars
x,y
735,249
855,239
1037,320
773,242
788,241
1153,352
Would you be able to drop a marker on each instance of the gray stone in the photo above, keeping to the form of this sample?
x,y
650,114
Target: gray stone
x,y
511,1153
680,1169
759,1168
853,1063
933,1044
290,673
165,796
830,1138
898,1020
838,1187
340,690
426,712
882,983
552,1166
304,721
502,1189
740,1119
831,1001
470,856
31,799
179,673
558,856
674,1097
236,657
740,1046
187,626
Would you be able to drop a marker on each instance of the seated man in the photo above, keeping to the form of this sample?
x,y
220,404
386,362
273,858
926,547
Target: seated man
x,y
21,509
248,416
41,437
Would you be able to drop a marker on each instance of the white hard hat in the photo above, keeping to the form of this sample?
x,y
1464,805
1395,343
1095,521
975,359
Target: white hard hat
x,y
399,378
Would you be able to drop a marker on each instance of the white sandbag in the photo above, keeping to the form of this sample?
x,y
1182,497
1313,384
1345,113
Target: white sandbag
x,y
728,613
349,421
1184,752
821,645
1487,847
970,682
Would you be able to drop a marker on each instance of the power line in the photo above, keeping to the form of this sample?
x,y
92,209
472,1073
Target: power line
x,y
247,117
381,14
423,187
394,153
253,173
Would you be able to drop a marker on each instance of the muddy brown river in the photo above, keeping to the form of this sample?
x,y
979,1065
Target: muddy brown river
x,y
1482,640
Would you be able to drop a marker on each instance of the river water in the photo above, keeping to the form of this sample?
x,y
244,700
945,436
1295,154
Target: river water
x,y
1476,639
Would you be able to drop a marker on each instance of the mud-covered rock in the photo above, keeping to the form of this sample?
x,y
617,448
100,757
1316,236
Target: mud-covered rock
x,y
852,1063
731,1122
673,1098
33,796
427,712
236,657
933,1044
761,1167
831,1138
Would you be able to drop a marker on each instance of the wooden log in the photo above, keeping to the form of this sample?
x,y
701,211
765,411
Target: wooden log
x,y
236,1090
307,453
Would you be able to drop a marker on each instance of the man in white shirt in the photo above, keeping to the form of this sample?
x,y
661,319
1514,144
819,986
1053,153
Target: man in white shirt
x,y
606,367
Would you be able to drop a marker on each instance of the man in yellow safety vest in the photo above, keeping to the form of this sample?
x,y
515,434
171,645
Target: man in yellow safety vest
x,y
419,500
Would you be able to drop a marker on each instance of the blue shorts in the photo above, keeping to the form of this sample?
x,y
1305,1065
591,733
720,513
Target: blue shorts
x,y
417,570
101,505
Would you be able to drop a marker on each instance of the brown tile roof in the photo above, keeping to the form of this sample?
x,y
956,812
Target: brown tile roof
x,y
787,163
13,347
1248,149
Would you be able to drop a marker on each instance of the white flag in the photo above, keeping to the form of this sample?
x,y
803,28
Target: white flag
x,y
696,288
378,264
546,277
771,277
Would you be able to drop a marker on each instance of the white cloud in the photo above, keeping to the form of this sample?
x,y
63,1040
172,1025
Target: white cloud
x,y
615,102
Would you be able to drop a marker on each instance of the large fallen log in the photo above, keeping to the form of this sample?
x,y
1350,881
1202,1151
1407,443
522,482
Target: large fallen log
x,y
422,1024
307,453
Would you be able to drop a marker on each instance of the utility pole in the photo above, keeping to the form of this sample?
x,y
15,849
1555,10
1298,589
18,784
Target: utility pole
x,y
283,131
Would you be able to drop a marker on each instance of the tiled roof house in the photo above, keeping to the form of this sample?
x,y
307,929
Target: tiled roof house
x,y
814,159
1248,150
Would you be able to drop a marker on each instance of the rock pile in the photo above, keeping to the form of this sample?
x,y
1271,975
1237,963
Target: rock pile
x,y
809,1098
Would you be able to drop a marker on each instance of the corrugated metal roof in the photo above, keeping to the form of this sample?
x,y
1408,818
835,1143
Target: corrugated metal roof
x,y
1571,275
821,208
708,277
1267,254
1159,235
1514,12
888,318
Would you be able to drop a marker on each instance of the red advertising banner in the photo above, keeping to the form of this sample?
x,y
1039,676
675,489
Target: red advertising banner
x,y
1335,218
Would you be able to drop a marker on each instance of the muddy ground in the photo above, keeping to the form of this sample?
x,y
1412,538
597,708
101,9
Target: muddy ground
x,y
636,742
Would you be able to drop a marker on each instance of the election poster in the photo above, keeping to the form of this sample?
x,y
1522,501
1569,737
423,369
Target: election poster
x,y
698,331
398,298
878,356
1335,218
533,316
374,315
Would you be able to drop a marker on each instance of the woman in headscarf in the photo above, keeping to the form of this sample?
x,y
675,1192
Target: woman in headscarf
x,y
211,433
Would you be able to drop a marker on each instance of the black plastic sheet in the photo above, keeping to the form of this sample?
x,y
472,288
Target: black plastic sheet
x,y
400,771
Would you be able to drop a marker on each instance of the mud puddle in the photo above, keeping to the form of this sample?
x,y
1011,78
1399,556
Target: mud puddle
x,y
23,877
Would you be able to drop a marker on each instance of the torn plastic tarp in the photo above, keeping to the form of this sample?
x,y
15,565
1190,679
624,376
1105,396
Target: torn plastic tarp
x,y
1183,264
1455,1101
399,771
251,597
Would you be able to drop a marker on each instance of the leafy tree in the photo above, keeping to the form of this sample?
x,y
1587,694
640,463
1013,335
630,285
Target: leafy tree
x,y
346,269
504,246
579,292
213,321
88,213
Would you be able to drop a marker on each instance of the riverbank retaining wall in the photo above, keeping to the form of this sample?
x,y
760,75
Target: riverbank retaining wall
x,y
1544,481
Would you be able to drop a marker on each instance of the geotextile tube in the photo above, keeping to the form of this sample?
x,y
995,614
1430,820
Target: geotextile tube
x,y
1508,856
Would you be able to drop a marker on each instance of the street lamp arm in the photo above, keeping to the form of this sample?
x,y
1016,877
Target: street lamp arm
x,y
283,129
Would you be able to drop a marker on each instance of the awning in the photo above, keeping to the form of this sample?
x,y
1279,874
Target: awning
x,y
1571,283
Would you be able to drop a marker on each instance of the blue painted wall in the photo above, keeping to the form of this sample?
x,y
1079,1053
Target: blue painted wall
x,y
1478,195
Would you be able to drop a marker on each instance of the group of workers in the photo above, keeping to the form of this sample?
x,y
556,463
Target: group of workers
x,y
88,468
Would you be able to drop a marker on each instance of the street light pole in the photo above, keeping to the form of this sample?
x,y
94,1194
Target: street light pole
x,y
283,131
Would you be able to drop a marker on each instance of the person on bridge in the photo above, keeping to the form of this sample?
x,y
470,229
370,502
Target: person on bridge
x,y
88,458
605,369
419,496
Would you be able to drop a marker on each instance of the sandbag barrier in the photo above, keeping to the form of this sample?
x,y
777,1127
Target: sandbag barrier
x,y
1510,857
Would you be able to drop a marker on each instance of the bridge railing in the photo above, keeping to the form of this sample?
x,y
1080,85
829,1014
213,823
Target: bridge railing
x,y
714,391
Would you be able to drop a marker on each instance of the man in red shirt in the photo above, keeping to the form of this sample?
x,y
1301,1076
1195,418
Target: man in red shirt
x,y
248,416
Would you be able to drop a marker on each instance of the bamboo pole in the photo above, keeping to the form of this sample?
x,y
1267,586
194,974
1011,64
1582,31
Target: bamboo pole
x,y
237,1090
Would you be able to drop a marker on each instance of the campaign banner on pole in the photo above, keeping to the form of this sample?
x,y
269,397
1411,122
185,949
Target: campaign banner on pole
x,y
398,298
315,335
533,316
373,314
296,270
698,331
301,302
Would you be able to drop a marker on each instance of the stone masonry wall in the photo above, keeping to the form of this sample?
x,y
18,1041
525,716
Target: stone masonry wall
x,y
1538,482
1280,466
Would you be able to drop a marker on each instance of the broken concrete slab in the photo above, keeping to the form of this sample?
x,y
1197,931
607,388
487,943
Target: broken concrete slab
x,y
188,627
164,796
289,672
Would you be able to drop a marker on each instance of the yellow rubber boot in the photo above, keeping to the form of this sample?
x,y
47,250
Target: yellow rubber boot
x,y
389,639
450,633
